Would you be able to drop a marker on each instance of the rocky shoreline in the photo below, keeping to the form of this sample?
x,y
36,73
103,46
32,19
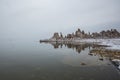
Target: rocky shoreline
x,y
112,43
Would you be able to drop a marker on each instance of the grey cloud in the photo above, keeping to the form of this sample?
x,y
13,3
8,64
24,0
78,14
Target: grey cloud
x,y
43,17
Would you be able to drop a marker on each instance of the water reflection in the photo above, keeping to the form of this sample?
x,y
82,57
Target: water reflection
x,y
92,50
33,61
77,46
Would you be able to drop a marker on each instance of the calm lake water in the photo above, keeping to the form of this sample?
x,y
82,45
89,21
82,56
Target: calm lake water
x,y
32,60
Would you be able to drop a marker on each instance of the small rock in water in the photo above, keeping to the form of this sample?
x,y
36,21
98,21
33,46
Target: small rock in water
x,y
83,63
101,59
90,54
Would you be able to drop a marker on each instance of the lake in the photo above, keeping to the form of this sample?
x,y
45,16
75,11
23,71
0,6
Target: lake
x,y
32,60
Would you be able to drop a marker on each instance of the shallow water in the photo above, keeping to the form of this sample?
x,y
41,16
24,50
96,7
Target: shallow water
x,y
31,60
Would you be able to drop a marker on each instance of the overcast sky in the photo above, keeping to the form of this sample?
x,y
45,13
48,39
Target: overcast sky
x,y
41,18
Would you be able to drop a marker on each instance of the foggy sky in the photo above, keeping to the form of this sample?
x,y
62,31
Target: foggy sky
x,y
41,18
